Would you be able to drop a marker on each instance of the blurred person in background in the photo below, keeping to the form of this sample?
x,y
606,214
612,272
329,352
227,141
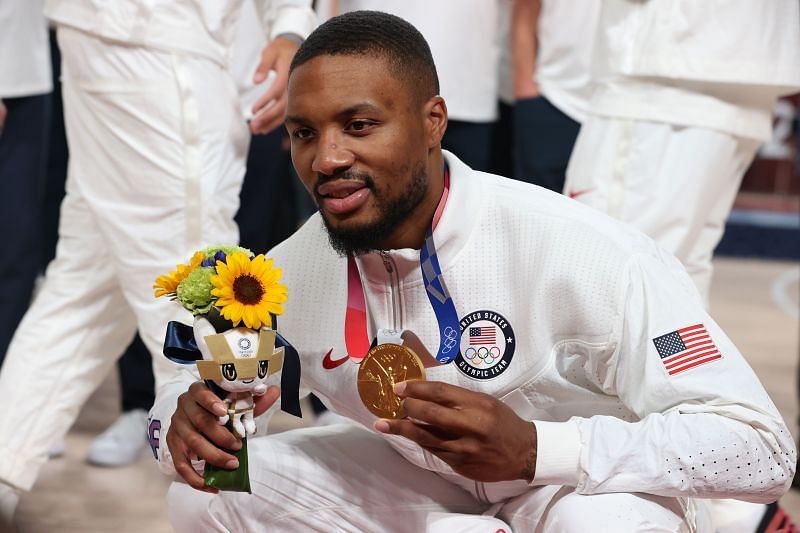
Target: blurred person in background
x,y
25,93
550,47
25,106
683,97
463,39
157,153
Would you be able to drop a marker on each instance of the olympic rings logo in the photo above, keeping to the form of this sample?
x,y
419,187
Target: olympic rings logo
x,y
482,355
449,340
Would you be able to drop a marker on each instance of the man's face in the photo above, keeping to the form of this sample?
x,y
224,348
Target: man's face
x,y
360,144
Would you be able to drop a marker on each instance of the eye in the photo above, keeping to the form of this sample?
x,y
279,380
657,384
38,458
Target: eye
x,y
302,133
229,371
262,369
360,126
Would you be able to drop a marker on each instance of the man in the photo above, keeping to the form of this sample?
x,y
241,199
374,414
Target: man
x,y
574,404
551,49
157,153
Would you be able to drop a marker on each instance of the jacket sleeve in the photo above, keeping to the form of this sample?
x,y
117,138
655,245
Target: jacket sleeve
x,y
706,427
161,413
287,16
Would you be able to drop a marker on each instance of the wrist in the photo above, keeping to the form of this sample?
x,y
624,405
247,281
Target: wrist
x,y
296,39
528,471
525,88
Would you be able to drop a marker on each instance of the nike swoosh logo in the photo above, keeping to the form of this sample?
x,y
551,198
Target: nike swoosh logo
x,y
575,194
330,364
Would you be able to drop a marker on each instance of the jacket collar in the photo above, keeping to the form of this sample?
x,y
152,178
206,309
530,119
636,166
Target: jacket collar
x,y
460,215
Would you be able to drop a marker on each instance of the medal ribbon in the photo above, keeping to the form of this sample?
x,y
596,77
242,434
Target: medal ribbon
x,y
355,324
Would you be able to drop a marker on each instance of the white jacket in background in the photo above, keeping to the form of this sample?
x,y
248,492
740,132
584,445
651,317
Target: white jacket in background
x,y
462,38
201,27
24,49
575,301
719,64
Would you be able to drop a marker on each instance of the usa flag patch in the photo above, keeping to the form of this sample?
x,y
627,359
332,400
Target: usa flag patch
x,y
686,348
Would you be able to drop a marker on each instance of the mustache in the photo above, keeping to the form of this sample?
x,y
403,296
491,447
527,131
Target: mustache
x,y
363,177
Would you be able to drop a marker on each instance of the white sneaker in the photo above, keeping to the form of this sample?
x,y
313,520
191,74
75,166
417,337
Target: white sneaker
x,y
122,443
57,450
9,498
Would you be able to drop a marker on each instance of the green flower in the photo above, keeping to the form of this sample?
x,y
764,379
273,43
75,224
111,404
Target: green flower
x,y
194,292
220,252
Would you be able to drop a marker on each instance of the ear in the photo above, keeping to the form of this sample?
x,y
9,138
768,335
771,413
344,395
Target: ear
x,y
435,111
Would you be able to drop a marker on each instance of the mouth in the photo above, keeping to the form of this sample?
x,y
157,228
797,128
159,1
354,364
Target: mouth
x,y
248,381
343,196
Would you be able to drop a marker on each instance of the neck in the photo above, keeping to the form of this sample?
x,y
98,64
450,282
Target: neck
x,y
411,233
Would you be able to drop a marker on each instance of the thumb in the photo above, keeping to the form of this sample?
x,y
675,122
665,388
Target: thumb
x,y
262,403
268,57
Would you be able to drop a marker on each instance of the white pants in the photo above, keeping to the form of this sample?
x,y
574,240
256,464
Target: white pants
x,y
676,184
347,478
157,153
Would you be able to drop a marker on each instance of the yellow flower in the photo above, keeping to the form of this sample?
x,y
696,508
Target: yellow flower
x,y
168,283
247,290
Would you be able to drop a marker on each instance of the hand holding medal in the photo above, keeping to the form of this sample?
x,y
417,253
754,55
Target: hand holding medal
x,y
382,368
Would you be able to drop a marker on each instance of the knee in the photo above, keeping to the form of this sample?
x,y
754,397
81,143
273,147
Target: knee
x,y
188,508
614,512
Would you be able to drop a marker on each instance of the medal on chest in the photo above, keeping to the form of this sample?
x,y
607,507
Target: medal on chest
x,y
384,366
390,362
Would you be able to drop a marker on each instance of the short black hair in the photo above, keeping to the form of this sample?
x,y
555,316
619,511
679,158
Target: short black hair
x,y
378,34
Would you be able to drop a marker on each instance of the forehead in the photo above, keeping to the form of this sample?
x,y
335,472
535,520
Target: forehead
x,y
336,82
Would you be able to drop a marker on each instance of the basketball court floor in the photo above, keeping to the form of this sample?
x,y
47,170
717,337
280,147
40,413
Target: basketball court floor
x,y
755,301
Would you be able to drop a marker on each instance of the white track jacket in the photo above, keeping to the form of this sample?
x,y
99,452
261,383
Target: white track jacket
x,y
179,25
579,323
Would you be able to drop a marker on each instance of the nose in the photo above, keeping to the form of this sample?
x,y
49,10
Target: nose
x,y
331,156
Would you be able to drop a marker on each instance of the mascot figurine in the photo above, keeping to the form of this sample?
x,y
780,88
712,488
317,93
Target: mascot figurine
x,y
235,297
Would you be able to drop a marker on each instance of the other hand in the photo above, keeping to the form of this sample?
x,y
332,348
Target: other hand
x,y
479,436
3,113
525,89
195,432
270,108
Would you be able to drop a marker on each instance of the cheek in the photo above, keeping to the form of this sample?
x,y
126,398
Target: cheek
x,y
302,167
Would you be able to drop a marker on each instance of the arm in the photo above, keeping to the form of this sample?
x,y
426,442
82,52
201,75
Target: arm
x,y
3,113
286,23
524,21
708,431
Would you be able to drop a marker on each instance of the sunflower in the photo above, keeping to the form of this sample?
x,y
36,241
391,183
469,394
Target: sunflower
x,y
248,290
168,283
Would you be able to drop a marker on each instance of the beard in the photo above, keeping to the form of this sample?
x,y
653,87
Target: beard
x,y
368,237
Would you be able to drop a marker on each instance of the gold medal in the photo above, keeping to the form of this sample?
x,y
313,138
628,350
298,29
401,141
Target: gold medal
x,y
383,367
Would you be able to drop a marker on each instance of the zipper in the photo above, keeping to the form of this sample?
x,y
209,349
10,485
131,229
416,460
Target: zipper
x,y
394,285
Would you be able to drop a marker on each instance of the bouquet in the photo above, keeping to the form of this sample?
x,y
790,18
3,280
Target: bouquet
x,y
235,297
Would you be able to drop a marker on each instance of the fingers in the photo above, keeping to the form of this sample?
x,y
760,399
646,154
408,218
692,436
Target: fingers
x,y
190,439
271,117
437,392
268,56
265,401
270,108
426,436
205,398
184,468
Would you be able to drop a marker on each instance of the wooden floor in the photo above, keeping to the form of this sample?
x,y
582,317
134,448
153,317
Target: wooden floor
x,y
756,302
